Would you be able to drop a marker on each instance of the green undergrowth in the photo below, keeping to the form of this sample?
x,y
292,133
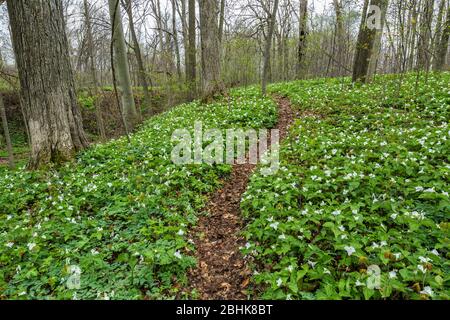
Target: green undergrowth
x,y
360,207
118,216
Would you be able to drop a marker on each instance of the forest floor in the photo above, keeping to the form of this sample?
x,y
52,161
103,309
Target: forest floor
x,y
222,271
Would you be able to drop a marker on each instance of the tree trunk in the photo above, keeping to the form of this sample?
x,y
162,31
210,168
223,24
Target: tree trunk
x,y
122,71
423,57
301,48
191,73
211,79
142,76
90,51
373,62
340,38
441,52
271,25
364,46
47,85
221,20
175,39
184,29
6,133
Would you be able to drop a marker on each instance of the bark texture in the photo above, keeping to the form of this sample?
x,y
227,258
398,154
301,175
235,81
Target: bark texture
x,y
301,48
211,79
122,70
9,147
365,46
271,26
47,85
191,69
441,52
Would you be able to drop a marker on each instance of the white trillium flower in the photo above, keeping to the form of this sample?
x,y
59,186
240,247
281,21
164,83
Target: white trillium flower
x,y
282,237
177,254
336,212
435,252
392,274
279,282
274,225
9,244
180,232
428,291
350,250
421,268
31,246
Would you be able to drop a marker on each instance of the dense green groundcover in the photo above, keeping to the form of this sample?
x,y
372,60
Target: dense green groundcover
x,y
118,215
362,190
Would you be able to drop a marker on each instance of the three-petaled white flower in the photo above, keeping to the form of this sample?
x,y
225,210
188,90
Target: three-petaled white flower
x,y
427,290
350,250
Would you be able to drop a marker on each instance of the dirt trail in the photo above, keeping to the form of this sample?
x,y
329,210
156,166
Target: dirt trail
x,y
222,273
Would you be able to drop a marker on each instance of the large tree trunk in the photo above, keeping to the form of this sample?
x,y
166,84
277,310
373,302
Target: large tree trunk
x,y
142,76
373,62
90,50
211,78
271,26
365,45
122,71
9,147
441,52
47,85
301,48
423,57
191,70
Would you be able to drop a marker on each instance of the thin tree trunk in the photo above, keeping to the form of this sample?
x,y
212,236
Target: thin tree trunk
x,y
50,103
301,48
441,52
6,133
142,75
271,25
121,66
221,19
175,39
90,51
191,52
340,37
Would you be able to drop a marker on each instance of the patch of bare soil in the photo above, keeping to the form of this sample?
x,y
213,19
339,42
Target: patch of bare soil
x,y
222,272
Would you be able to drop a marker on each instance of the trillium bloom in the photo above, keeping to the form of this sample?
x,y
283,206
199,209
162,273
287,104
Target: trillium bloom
x,y
9,244
392,274
180,232
421,268
427,290
336,212
424,260
435,252
279,282
350,250
282,237
31,246
177,254
274,225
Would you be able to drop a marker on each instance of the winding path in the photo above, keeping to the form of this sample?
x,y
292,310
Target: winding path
x,y
222,272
